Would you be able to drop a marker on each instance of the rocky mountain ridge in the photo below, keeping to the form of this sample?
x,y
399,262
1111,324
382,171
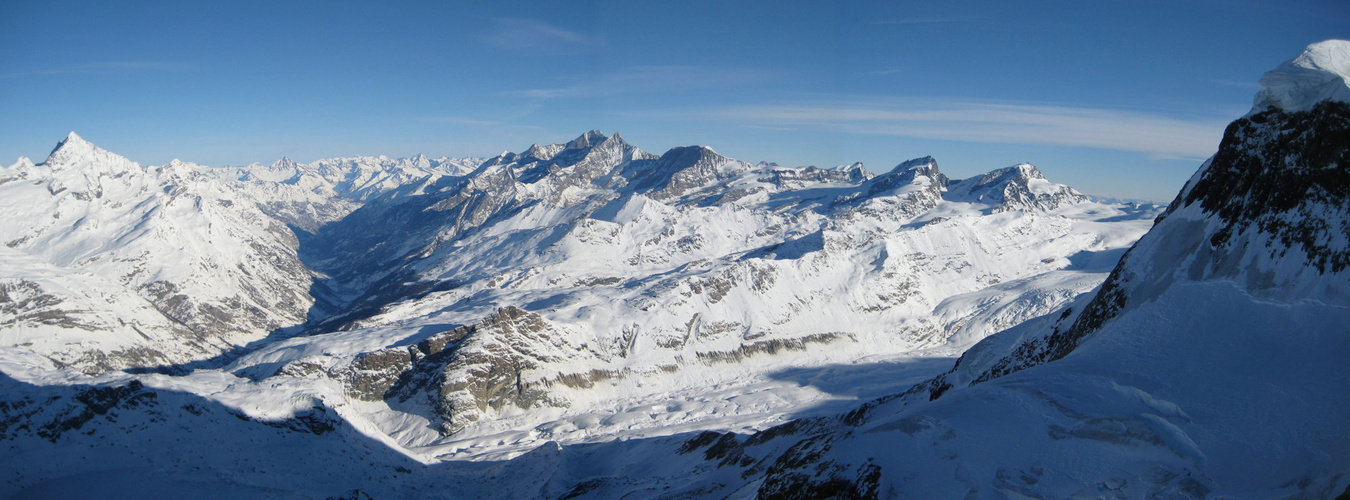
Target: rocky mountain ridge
x,y
640,264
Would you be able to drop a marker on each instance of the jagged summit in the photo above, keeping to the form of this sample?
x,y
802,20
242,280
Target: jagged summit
x,y
925,166
285,163
82,161
907,172
1321,72
71,138
1020,186
925,161
542,153
72,146
587,140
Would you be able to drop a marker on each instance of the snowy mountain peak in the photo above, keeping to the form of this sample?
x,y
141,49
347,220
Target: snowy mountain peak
x,y
683,170
72,138
538,152
1230,225
1018,187
926,166
73,146
420,161
587,140
907,173
917,163
1321,72
83,160
1019,172
23,162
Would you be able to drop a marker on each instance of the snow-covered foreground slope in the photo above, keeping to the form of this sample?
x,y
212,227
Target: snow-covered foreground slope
x,y
588,320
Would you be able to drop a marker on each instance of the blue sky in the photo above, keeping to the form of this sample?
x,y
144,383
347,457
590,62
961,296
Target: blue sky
x,y
1114,98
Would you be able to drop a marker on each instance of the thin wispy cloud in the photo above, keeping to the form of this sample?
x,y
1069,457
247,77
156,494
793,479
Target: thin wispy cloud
x,y
1054,125
922,20
102,67
639,79
1233,83
532,34
458,120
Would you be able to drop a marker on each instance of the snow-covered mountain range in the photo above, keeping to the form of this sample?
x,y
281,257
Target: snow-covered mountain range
x,y
592,320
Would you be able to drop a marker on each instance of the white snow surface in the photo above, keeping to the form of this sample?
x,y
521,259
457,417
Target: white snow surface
x,y
678,300
1321,72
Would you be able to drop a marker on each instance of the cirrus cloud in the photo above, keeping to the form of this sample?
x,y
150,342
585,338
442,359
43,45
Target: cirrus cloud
x,y
1045,124
514,33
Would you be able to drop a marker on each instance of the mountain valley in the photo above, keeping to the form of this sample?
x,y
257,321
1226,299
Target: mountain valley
x,y
588,319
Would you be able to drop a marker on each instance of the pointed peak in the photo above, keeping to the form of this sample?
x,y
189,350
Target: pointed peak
x,y
22,162
1024,170
76,154
536,152
587,140
73,149
72,144
285,162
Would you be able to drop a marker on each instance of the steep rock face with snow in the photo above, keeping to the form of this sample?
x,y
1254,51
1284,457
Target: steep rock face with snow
x,y
462,373
1270,211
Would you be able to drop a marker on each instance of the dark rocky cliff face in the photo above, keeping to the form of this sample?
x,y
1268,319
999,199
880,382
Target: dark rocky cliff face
x,y
459,374
1287,175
